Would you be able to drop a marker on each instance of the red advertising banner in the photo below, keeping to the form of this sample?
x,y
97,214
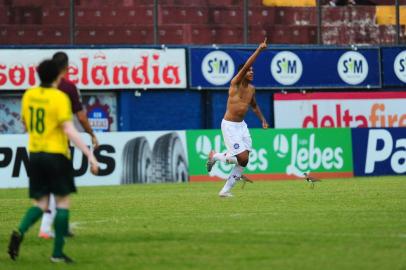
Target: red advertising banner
x,y
352,109
99,68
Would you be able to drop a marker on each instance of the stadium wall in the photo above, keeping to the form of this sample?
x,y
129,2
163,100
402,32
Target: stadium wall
x,y
124,157
179,90
160,110
183,87
180,156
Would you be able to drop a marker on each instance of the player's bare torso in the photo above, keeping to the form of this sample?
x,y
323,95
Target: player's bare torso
x,y
239,100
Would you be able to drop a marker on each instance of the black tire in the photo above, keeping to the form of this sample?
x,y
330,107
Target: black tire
x,y
169,160
137,162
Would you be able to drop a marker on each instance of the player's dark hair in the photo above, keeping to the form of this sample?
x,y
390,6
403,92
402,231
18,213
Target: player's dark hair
x,y
240,67
48,72
61,59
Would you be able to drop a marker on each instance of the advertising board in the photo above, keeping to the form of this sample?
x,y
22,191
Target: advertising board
x,y
350,109
276,154
379,151
124,157
103,69
101,110
394,66
288,68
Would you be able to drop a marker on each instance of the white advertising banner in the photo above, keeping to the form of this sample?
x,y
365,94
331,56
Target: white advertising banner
x,y
99,68
124,157
316,110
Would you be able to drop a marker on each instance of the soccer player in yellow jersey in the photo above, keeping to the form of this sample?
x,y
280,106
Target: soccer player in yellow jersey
x,y
47,116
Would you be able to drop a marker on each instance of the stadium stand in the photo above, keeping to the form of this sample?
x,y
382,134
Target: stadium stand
x,y
386,15
196,22
55,16
114,16
114,35
290,3
185,14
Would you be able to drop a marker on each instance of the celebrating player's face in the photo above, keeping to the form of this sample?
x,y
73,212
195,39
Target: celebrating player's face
x,y
250,74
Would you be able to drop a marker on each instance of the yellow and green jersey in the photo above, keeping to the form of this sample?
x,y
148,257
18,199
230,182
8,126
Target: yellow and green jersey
x,y
43,112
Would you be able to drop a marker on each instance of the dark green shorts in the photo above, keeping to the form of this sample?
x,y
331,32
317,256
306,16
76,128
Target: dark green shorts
x,y
50,173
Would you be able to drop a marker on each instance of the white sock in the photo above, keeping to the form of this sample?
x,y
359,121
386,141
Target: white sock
x,y
224,157
48,217
235,174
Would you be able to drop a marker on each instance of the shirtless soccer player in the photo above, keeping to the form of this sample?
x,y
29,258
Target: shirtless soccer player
x,y
241,95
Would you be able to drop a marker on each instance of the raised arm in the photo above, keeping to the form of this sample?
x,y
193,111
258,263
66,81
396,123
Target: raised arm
x,y
240,75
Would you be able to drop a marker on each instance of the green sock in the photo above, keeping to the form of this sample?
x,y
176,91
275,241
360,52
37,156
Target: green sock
x,y
61,229
33,214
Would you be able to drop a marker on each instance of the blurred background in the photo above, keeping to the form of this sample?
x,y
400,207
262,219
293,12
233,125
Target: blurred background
x,y
84,22
162,68
96,24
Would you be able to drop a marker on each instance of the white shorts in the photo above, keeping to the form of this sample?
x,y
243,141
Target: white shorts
x,y
236,137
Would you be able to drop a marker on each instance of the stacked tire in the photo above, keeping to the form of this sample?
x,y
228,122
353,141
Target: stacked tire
x,y
137,162
167,161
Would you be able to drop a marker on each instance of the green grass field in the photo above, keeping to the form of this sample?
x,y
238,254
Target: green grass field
x,y
340,224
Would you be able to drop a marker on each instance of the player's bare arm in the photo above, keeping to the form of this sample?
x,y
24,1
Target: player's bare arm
x,y
81,115
74,136
241,90
241,74
257,111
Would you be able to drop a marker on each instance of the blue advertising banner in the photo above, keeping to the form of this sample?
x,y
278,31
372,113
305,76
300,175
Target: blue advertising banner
x,y
379,151
394,66
288,68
